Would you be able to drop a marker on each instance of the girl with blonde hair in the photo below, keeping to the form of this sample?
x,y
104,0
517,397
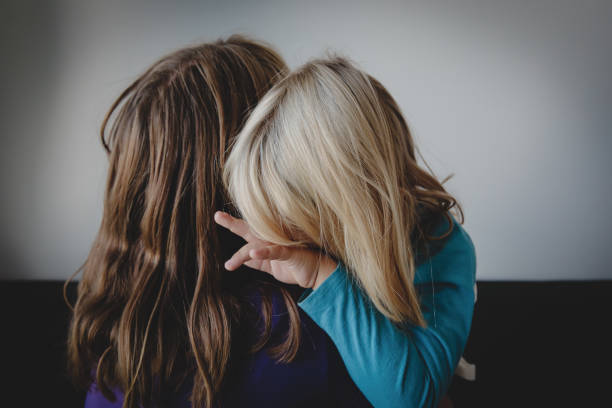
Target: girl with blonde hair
x,y
325,177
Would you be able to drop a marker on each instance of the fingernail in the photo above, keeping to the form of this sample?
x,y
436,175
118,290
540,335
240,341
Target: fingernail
x,y
228,265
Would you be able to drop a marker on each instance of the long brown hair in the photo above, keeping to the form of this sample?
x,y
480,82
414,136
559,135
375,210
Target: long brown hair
x,y
155,304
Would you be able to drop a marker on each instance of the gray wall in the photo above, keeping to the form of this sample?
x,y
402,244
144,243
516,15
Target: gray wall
x,y
514,97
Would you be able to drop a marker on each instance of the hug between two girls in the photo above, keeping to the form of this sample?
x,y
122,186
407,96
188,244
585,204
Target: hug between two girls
x,y
269,239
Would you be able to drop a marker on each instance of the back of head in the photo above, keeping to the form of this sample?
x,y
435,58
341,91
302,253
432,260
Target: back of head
x,y
154,303
327,160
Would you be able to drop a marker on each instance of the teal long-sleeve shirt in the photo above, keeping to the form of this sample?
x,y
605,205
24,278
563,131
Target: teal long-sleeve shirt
x,y
406,366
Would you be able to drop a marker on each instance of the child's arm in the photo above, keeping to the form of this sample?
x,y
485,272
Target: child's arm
x,y
409,366
393,366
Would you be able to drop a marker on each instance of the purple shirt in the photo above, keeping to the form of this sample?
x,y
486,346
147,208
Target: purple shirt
x,y
317,376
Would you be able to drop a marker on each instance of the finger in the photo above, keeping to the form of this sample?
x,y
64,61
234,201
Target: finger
x,y
236,225
260,265
272,252
239,258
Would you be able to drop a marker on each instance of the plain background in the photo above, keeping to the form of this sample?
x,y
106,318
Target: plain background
x,y
513,97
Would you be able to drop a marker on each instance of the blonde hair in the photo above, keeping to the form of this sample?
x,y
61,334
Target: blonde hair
x,y
326,160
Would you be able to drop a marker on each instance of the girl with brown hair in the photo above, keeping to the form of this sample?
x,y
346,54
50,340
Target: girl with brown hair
x,y
158,321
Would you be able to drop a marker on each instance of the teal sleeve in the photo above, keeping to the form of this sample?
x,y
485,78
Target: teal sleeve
x,y
405,366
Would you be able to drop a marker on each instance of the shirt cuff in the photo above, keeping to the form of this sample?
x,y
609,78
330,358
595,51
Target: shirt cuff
x,y
322,298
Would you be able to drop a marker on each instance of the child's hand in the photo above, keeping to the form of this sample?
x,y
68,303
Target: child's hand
x,y
300,266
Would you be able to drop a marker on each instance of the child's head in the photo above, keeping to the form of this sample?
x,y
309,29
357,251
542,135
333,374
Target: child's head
x,y
326,160
167,137
151,300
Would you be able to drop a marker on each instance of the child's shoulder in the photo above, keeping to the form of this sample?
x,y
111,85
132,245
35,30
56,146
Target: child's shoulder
x,y
458,239
451,255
